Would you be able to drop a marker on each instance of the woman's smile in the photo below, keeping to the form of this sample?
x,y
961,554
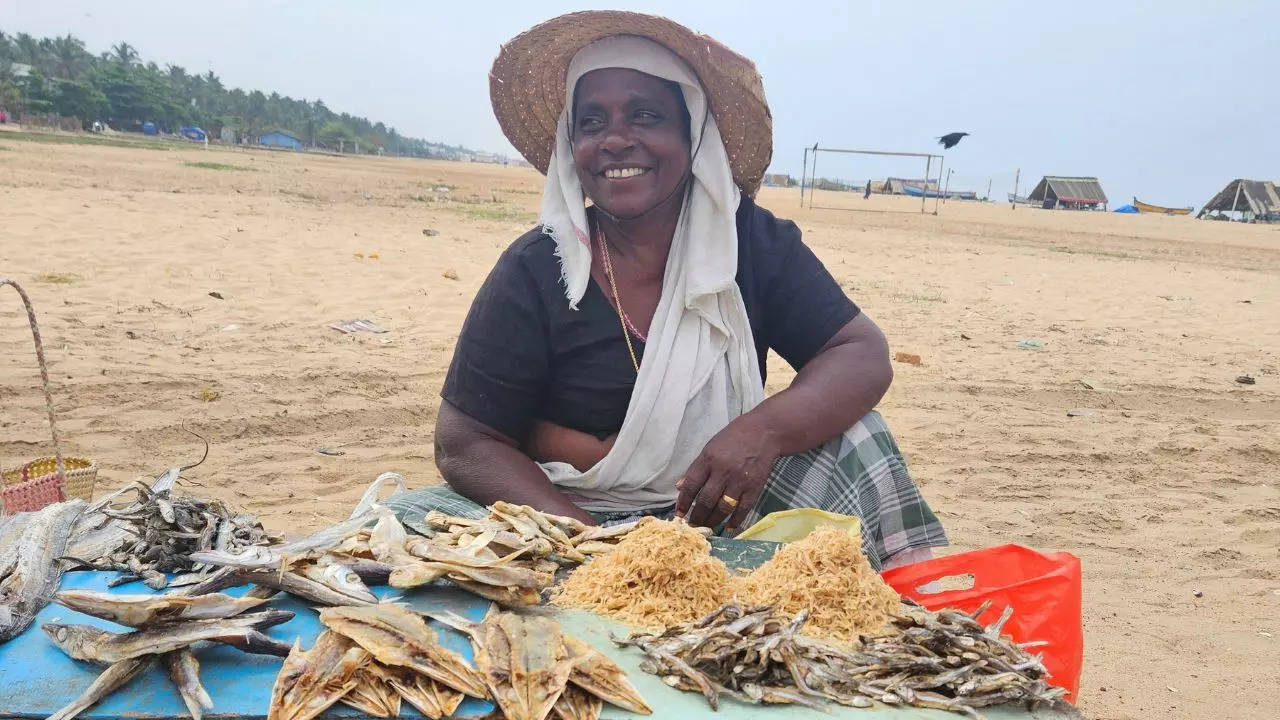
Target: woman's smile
x,y
624,173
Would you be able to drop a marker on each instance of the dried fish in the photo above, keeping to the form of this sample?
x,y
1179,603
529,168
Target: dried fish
x,y
256,643
11,529
36,568
578,704
387,543
92,644
396,636
110,680
945,661
504,596
330,585
524,662
309,682
339,577
596,674
280,555
508,576
372,694
184,671
428,696
145,610
156,532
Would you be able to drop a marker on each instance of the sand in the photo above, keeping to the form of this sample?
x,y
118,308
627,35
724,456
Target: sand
x,y
1164,484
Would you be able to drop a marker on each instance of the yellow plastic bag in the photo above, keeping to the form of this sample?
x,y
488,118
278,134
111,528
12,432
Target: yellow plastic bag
x,y
792,525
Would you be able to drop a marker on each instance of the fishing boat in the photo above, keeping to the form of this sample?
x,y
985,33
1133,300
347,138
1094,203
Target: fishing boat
x,y
1160,209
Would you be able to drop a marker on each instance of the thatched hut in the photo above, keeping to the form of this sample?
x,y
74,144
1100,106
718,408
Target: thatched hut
x,y
1076,193
1255,200
898,186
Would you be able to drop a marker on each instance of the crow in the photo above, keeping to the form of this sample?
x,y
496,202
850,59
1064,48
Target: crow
x,y
950,140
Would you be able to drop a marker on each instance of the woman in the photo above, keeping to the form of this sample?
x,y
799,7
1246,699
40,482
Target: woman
x,y
612,365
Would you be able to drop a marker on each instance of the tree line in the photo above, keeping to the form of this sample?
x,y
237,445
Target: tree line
x,y
118,88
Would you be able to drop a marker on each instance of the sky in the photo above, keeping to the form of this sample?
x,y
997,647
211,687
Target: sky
x,y
1164,100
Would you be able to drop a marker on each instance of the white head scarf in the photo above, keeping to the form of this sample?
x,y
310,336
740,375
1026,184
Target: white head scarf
x,y
699,369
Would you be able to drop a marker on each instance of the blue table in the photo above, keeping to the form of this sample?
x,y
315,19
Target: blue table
x,y
36,678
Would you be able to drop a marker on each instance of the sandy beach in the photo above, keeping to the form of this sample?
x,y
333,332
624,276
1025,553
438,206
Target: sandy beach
x,y
1123,438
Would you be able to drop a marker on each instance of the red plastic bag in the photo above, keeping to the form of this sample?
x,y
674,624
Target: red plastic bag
x,y
1044,590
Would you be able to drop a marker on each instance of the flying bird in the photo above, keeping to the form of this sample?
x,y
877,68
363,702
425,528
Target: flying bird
x,y
950,140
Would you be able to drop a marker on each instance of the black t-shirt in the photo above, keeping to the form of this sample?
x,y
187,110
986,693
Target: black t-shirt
x,y
523,355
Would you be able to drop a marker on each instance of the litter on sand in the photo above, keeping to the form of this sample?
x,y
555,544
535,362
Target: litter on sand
x,y
356,326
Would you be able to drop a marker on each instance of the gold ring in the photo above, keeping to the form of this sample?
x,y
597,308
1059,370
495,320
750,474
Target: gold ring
x,y
729,501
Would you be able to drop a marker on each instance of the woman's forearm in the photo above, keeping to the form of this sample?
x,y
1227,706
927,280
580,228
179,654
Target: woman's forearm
x,y
486,466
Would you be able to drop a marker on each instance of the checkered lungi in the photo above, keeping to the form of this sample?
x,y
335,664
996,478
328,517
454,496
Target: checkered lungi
x,y
860,472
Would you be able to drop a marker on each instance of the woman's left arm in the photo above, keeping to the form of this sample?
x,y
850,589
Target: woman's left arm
x,y
835,389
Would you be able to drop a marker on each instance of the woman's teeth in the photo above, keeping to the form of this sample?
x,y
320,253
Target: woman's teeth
x,y
624,173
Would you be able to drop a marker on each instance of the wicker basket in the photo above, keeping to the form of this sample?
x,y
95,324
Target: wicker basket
x,y
45,480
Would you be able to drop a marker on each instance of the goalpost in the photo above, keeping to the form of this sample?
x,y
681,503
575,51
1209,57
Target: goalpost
x,y
809,176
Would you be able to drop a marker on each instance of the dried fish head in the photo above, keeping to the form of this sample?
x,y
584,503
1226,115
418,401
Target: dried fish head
x,y
74,640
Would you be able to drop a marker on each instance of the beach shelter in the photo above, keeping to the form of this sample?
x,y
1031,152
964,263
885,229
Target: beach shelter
x,y
1253,199
1078,193
898,186
1126,209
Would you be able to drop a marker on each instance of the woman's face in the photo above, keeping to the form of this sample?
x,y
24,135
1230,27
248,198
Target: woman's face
x,y
630,140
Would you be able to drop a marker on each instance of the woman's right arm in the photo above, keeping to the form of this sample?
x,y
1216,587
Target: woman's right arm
x,y
486,465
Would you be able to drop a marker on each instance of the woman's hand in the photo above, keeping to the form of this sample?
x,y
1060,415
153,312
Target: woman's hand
x,y
726,480
838,386
549,442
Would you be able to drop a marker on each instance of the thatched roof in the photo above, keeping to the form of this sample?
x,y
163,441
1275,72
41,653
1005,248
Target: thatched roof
x,y
1256,196
1068,189
895,185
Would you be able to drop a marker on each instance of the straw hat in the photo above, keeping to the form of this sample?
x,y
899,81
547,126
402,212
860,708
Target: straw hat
x,y
527,85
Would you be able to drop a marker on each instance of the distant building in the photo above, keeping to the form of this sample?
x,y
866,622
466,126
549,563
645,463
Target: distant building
x,y
280,138
778,180
20,70
1075,193
898,186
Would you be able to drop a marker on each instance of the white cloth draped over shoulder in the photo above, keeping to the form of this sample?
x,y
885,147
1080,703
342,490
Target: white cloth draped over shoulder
x,y
699,369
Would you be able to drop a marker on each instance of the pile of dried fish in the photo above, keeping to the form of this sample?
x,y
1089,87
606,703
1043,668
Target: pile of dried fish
x,y
145,531
168,627
531,667
31,546
509,557
372,657
946,661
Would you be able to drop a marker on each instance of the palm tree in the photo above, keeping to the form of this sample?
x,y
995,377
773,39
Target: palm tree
x,y
28,49
124,53
177,76
69,56
7,49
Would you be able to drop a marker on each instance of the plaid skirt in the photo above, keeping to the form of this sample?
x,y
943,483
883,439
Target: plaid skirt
x,y
860,472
